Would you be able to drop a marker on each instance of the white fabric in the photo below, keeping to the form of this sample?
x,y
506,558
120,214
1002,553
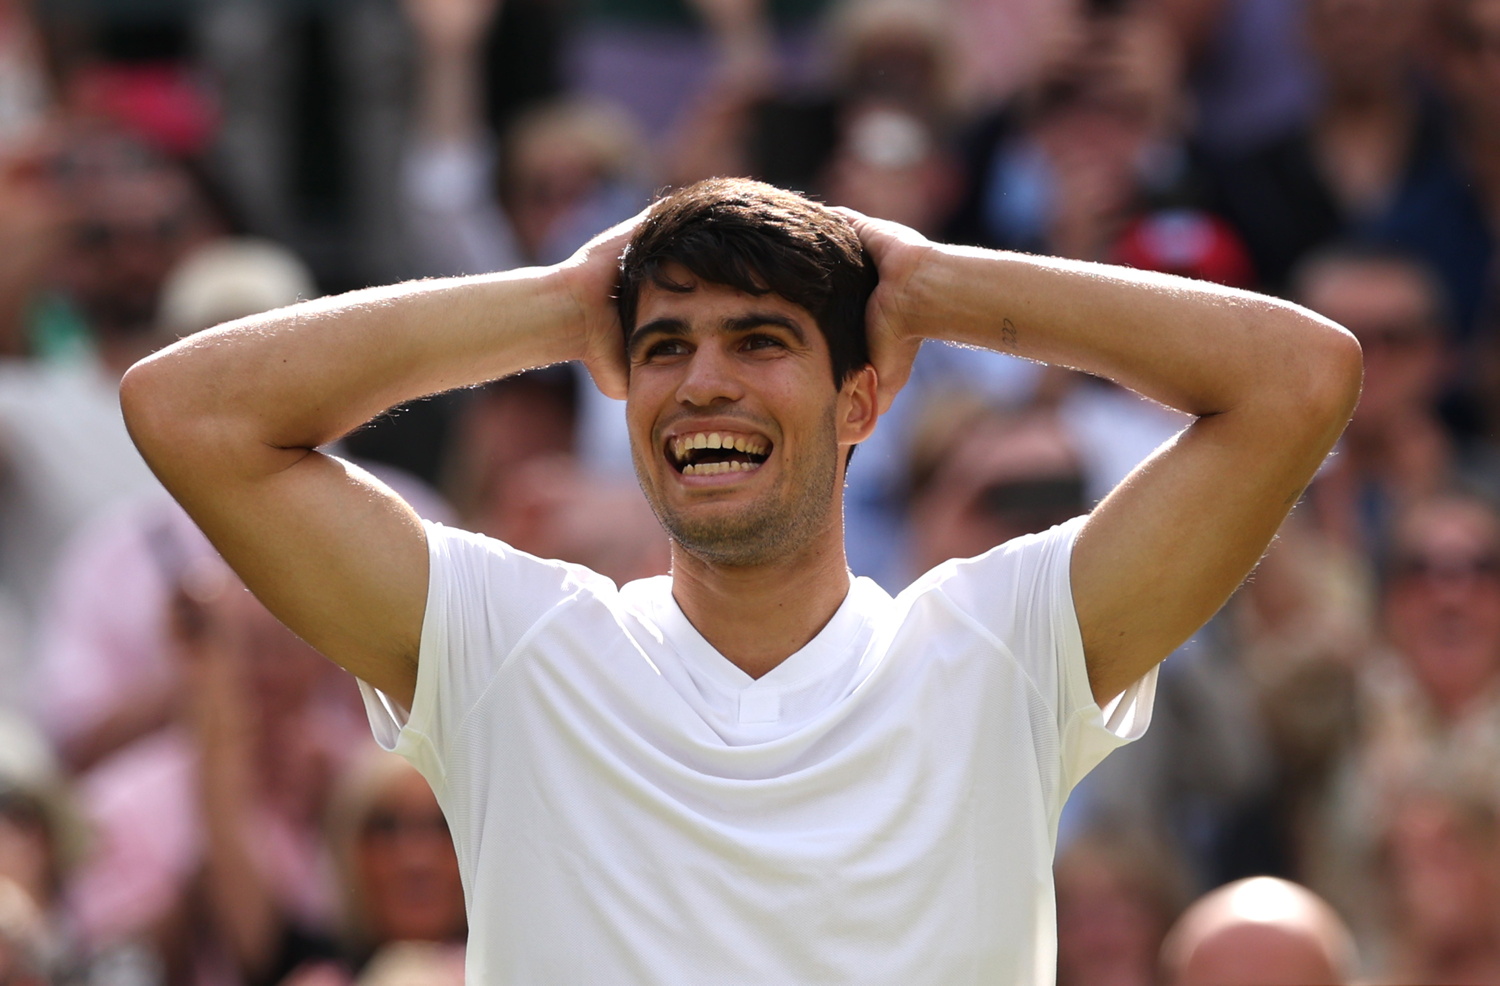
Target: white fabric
x,y
629,807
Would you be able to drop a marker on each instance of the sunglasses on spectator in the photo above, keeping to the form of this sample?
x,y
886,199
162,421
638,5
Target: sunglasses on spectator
x,y
103,236
1432,568
1049,495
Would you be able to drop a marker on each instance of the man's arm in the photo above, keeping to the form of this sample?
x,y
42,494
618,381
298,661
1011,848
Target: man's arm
x,y
1272,386
231,419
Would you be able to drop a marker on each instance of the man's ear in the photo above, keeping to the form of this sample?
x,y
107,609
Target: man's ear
x,y
857,407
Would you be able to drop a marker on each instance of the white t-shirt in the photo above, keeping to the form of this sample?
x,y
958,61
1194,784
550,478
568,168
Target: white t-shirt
x,y
630,807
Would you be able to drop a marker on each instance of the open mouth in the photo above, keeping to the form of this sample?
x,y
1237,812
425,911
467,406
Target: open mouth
x,y
710,453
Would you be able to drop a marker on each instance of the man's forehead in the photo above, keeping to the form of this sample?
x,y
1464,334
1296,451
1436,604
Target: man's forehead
x,y
678,293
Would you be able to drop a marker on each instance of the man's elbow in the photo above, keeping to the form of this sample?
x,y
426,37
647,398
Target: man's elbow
x,y
1329,370
142,395
158,409
1342,367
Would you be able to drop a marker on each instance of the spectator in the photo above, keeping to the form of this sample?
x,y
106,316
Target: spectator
x,y
313,114
981,478
1455,224
102,674
1117,894
513,473
1298,631
33,233
397,866
1429,696
1369,150
1258,932
42,840
1442,606
261,727
402,908
889,103
132,215
1094,161
502,425
656,55
1396,451
565,168
1441,868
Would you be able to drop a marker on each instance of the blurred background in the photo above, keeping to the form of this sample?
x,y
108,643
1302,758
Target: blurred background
x,y
189,795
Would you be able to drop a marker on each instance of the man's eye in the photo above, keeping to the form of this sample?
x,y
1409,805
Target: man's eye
x,y
762,342
665,347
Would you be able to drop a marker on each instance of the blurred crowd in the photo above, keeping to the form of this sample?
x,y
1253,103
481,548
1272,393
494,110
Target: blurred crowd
x,y
189,795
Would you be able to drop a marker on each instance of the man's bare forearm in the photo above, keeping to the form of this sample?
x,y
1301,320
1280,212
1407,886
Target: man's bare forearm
x,y
299,377
230,420
1195,346
1272,386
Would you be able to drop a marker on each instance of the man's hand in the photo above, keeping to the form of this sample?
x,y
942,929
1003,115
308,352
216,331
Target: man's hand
x,y
447,26
593,274
892,327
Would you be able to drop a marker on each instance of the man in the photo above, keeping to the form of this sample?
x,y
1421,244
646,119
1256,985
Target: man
x,y
1258,932
756,768
1397,450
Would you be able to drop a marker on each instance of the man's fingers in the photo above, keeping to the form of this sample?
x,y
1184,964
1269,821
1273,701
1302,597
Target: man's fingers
x,y
892,369
610,375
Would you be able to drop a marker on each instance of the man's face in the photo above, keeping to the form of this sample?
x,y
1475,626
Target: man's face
x,y
737,432
134,224
1392,313
1442,605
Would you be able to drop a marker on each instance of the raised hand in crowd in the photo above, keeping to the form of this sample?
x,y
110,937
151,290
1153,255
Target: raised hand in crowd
x,y
450,35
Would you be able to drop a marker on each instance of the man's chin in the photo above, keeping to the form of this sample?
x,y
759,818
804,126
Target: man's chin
x,y
728,535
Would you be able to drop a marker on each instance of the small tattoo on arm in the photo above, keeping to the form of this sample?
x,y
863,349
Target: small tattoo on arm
x,y
1008,334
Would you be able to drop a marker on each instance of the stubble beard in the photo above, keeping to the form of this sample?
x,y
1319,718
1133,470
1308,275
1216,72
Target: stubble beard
x,y
782,522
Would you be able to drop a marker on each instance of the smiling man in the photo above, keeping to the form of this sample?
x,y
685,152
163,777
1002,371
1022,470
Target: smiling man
x,y
758,768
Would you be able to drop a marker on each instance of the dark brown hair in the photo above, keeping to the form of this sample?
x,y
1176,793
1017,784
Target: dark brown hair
x,y
759,239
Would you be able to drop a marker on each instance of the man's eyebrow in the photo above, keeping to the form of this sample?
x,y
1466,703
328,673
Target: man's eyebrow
x,y
756,320
655,327
748,322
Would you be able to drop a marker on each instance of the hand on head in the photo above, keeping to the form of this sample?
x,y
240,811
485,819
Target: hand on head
x,y
898,252
592,274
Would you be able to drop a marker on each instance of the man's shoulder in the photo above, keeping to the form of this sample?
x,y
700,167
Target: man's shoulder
x,y
475,573
450,546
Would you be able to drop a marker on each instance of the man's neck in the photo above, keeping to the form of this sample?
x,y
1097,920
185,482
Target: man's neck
x,y
758,616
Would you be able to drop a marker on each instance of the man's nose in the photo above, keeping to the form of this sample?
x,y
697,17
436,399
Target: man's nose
x,y
709,378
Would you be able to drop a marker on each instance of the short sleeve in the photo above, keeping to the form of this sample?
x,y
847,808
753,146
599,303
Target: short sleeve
x,y
483,599
1021,592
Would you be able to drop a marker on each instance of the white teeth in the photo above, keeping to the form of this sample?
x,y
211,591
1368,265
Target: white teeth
x,y
717,468
684,444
